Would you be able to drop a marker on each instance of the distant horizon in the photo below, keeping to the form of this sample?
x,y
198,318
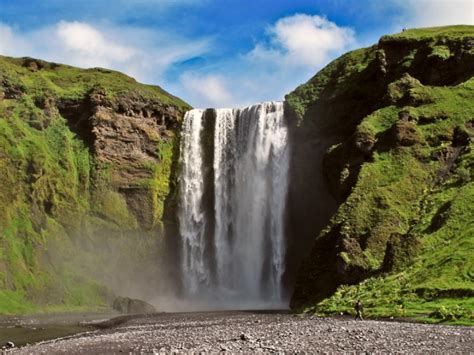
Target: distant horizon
x,y
213,53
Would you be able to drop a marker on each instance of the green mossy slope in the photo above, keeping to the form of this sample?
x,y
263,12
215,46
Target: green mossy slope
x,y
39,77
401,166
65,229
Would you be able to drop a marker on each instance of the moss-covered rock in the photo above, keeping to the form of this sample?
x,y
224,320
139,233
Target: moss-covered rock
x,y
396,120
86,167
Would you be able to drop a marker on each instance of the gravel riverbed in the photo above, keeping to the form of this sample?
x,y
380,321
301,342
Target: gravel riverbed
x,y
252,332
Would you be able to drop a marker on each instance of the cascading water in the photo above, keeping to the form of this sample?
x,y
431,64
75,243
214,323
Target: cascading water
x,y
233,189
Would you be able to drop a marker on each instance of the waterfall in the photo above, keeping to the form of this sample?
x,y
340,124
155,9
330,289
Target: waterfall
x,y
233,187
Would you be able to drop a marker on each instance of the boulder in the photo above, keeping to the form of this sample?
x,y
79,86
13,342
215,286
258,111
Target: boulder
x,y
131,305
400,88
402,134
364,140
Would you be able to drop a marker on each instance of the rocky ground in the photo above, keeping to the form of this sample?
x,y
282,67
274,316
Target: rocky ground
x,y
257,332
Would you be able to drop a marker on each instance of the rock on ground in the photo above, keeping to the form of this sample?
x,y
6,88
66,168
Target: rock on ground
x,y
258,332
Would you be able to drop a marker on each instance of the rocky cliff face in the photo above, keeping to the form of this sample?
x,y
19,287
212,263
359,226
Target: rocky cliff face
x,y
129,137
388,127
88,163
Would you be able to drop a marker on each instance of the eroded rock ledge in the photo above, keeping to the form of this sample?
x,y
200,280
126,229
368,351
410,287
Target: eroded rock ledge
x,y
127,135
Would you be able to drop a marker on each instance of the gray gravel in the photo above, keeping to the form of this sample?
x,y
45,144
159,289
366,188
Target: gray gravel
x,y
259,332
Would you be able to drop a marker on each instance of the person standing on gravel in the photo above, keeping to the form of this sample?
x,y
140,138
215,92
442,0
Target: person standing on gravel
x,y
358,308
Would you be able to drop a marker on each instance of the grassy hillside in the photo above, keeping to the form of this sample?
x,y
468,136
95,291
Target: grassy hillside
x,y
401,165
65,228
38,77
430,33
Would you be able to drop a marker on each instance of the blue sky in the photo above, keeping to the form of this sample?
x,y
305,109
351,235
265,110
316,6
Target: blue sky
x,y
212,53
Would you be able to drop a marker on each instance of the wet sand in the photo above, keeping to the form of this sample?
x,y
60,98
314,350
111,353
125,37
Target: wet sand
x,y
256,332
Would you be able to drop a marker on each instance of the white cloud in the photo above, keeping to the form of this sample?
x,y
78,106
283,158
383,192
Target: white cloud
x,y
85,41
6,35
141,53
304,40
9,42
208,90
425,13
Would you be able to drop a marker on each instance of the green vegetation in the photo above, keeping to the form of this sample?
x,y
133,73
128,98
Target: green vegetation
x,y
442,52
451,32
42,171
113,207
340,74
42,79
402,239
438,285
64,227
159,184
